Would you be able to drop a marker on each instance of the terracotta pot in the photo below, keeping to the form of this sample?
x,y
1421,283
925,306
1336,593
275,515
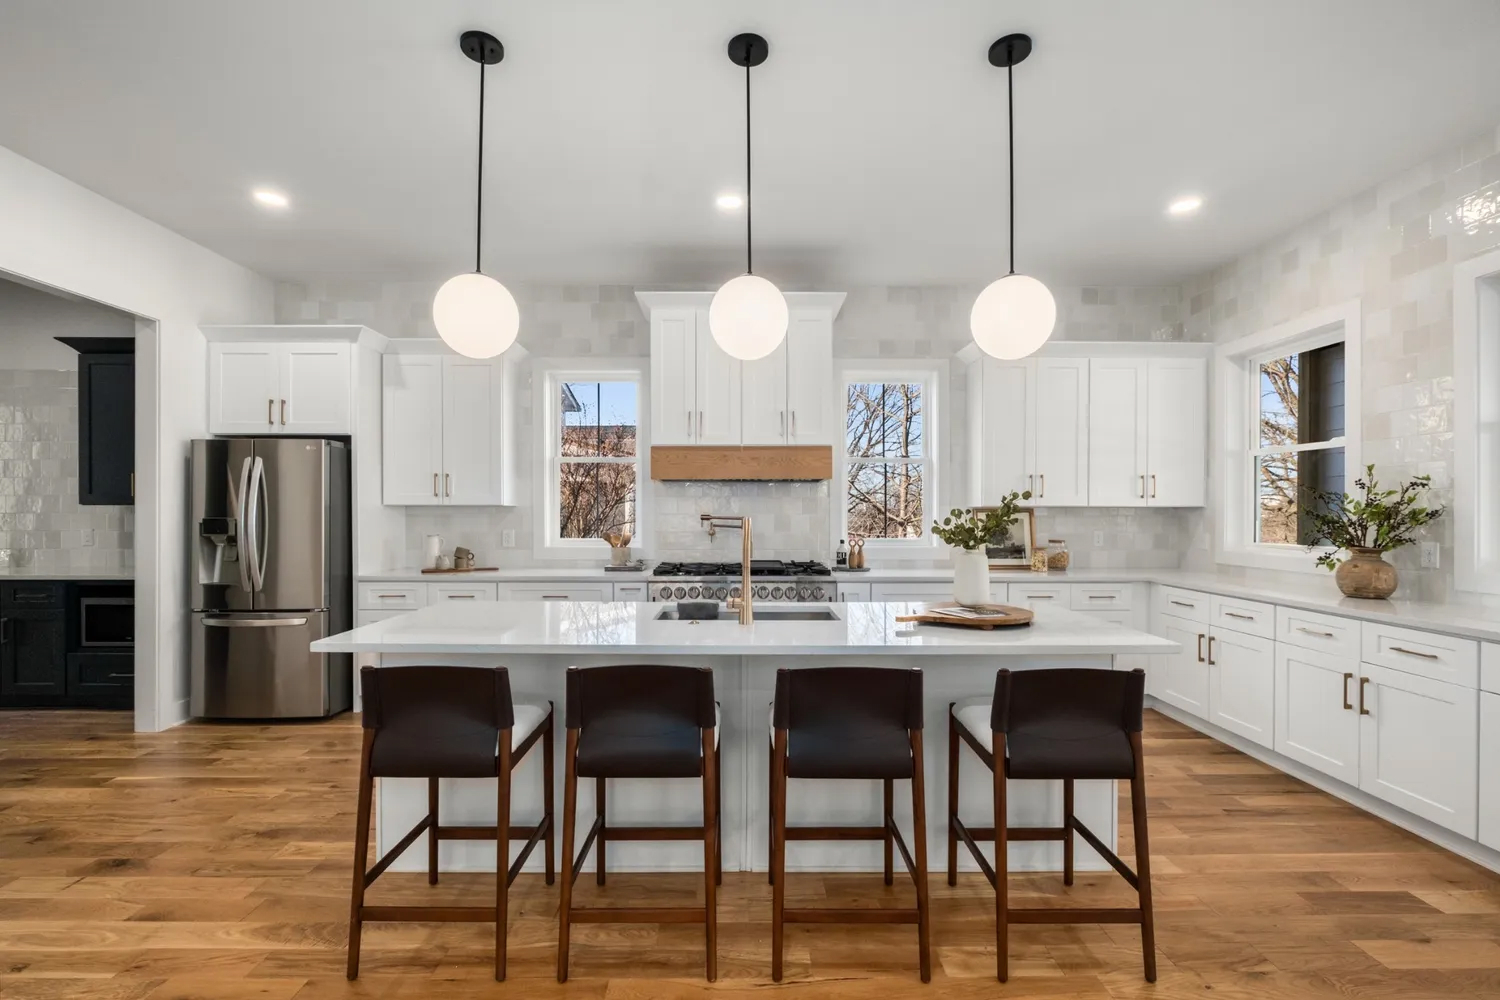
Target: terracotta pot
x,y
1365,574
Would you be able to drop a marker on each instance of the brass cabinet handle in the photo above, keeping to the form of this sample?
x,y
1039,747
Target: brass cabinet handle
x,y
1248,618
1030,481
1321,635
1040,597
1101,597
783,423
392,596
283,413
271,412
1362,682
1200,647
447,485
1183,604
554,597
690,423
794,423
1211,651
700,425
1043,478
1347,678
434,484
1413,652
460,597
1153,486
1143,487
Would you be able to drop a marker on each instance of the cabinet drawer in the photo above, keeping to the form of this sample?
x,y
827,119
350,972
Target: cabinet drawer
x,y
1097,597
630,592
392,596
438,592
31,595
1310,630
1425,654
1250,617
558,592
1188,604
1489,667
1042,593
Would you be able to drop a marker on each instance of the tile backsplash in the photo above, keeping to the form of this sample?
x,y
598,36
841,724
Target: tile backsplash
x,y
42,524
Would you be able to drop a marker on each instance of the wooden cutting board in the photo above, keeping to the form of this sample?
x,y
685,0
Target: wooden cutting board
x,y
1015,616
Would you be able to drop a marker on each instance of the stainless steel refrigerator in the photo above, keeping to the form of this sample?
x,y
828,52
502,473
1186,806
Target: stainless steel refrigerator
x,y
270,537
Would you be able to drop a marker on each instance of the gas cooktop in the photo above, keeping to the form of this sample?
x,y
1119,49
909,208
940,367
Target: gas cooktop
x,y
758,568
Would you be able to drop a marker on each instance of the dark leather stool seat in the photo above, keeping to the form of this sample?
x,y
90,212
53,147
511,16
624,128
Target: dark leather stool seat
x,y
1061,724
447,722
850,723
640,721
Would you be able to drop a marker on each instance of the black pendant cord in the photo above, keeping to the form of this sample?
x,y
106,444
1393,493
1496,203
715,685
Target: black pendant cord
x,y
749,213
479,193
1010,122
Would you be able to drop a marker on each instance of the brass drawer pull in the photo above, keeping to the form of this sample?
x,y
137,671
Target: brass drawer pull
x,y
1321,635
1184,604
283,412
1200,647
434,484
1153,486
1103,597
1362,709
460,597
1347,678
1143,487
1233,614
1211,651
554,597
271,411
1413,652
393,597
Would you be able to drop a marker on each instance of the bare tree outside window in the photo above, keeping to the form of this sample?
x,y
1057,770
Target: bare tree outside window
x,y
1299,440
885,480
597,458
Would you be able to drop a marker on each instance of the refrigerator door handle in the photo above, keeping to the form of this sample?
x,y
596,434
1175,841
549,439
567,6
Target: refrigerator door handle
x,y
254,622
257,494
246,535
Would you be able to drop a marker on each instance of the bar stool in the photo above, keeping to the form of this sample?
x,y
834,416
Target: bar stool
x,y
1058,724
641,722
854,723
447,722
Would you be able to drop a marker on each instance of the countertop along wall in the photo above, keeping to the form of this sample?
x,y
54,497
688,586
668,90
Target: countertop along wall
x,y
1393,246
595,321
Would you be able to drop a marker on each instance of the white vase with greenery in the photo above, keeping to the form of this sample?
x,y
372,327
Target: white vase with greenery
x,y
967,532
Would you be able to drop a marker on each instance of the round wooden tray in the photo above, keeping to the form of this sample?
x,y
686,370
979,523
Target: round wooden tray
x,y
1014,616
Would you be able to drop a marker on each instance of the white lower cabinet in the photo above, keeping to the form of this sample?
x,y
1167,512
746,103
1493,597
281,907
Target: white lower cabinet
x,y
1181,679
1419,746
853,592
630,592
1241,684
567,590
1317,721
911,591
1489,769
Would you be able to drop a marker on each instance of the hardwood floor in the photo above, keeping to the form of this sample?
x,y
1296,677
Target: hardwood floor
x,y
212,861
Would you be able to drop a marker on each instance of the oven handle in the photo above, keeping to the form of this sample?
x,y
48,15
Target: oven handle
x,y
254,622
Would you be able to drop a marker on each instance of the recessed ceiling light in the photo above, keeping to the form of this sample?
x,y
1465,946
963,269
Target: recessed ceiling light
x,y
729,202
270,199
1186,205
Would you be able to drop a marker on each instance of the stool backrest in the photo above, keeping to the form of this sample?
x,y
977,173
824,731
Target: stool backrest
x,y
1106,698
879,694
685,693
436,721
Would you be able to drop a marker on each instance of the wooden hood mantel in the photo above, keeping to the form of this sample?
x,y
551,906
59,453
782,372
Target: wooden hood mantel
x,y
676,463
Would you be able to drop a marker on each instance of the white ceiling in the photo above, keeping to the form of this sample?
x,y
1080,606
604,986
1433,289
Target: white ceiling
x,y
612,125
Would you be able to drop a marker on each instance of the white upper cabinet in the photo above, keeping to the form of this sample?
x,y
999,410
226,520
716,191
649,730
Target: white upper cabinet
x,y
810,399
1148,426
763,399
1028,430
268,388
718,402
674,387
448,430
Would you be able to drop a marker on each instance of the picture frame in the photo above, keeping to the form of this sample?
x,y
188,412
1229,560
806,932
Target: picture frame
x,y
1015,552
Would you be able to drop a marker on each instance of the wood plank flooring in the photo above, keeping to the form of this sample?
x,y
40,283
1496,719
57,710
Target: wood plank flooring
x,y
212,861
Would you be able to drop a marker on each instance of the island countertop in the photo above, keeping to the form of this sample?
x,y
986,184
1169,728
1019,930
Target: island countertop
x,y
589,627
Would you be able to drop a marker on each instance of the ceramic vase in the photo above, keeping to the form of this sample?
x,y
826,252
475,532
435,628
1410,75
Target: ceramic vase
x,y
1365,574
971,577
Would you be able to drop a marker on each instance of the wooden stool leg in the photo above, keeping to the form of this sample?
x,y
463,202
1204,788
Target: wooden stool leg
x,y
771,812
718,819
710,854
548,815
778,850
886,820
952,797
432,837
570,807
1143,858
361,855
599,810
1002,866
919,844
502,855
1067,831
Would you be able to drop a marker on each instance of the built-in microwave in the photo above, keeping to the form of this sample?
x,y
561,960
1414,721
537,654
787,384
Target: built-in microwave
x,y
106,621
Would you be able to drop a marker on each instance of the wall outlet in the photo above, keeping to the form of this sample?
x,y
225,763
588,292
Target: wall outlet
x,y
87,537
1098,539
1430,552
508,538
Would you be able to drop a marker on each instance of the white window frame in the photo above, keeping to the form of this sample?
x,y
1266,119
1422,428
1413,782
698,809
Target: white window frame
x,y
549,374
1237,412
1476,422
933,377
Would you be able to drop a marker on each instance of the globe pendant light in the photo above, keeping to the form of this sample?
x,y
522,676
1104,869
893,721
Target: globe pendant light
x,y
475,314
748,315
1014,316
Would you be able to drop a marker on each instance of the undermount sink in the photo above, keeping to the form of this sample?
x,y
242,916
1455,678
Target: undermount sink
x,y
761,615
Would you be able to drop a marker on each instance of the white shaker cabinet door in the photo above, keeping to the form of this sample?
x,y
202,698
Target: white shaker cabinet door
x,y
763,406
1489,769
1059,433
1005,402
1241,684
1419,746
810,404
718,391
1317,720
674,393
412,430
1181,679
1117,432
1177,457
244,388
315,389
473,440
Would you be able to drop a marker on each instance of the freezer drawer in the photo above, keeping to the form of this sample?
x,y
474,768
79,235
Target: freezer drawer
x,y
257,665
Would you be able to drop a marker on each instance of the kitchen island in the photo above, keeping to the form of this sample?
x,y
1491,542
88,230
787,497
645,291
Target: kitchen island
x,y
538,640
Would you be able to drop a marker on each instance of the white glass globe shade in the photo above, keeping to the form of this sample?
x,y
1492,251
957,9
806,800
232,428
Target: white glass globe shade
x,y
748,317
1013,317
476,315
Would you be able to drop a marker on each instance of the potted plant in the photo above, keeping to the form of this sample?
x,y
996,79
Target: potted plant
x,y
1367,527
967,532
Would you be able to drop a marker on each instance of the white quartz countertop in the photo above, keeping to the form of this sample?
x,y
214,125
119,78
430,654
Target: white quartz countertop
x,y
571,627
71,576
520,575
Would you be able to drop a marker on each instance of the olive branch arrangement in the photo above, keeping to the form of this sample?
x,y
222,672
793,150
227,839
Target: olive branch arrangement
x,y
1382,520
973,529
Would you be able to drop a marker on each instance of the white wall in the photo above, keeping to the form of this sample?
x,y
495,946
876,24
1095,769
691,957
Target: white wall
x,y
60,234
31,320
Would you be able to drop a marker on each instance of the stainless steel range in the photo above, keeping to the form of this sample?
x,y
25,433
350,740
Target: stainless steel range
x,y
774,580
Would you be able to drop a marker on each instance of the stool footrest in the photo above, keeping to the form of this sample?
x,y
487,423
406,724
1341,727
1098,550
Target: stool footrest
x,y
614,833
1082,915
835,833
844,915
638,915
482,832
430,914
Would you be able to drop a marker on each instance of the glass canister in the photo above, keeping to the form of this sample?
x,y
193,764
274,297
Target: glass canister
x,y
1057,554
1039,559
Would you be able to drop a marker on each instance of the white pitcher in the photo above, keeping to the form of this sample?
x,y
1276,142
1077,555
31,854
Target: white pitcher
x,y
431,549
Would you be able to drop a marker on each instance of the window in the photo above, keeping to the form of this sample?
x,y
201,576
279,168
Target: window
x,y
594,449
1288,407
887,468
